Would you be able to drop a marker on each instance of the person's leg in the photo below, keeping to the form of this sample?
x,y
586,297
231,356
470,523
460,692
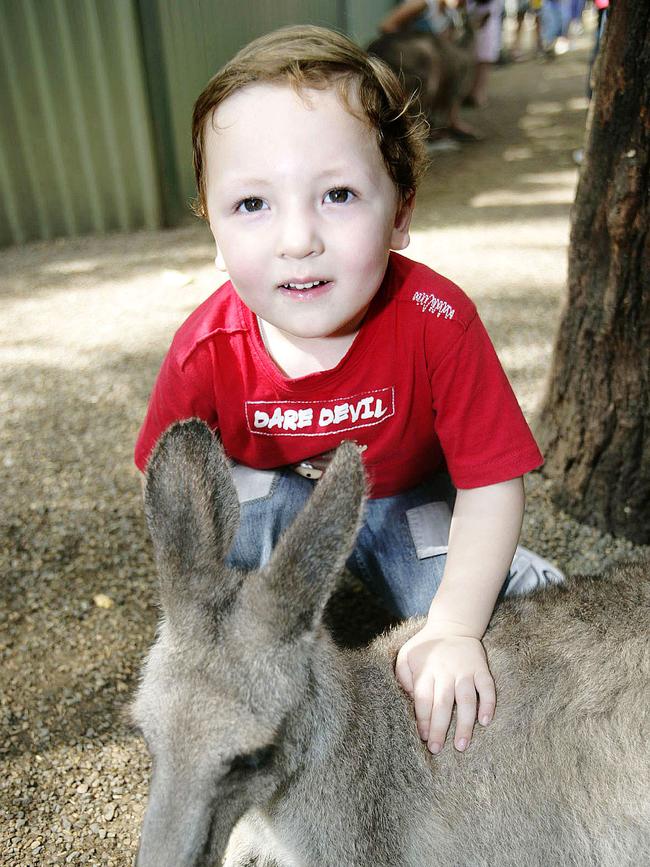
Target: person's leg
x,y
457,127
402,546
551,25
562,25
487,48
401,550
577,8
565,17
522,8
557,19
546,16
269,500
539,41
478,96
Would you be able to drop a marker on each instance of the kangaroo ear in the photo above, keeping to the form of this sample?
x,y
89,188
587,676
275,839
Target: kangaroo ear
x,y
192,512
311,554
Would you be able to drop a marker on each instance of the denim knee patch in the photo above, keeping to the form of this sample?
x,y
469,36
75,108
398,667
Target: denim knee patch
x,y
252,484
429,525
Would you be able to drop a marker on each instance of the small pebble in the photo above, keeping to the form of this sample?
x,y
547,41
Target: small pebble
x,y
101,600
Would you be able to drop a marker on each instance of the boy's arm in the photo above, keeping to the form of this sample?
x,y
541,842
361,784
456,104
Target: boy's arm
x,y
445,662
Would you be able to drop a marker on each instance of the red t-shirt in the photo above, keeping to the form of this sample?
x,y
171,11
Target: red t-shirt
x,y
421,385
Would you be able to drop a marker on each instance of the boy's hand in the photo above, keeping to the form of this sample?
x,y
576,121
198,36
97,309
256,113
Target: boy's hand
x,y
437,670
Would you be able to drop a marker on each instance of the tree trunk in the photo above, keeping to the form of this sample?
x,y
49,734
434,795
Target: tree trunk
x,y
595,422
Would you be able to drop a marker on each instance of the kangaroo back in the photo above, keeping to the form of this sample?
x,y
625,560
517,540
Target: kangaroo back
x,y
249,710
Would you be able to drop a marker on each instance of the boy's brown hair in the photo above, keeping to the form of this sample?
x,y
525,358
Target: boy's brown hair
x,y
306,56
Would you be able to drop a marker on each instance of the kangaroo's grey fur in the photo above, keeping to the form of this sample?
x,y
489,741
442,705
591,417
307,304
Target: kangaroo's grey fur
x,y
248,707
438,69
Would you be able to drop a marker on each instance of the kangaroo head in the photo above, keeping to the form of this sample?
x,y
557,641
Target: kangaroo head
x,y
232,660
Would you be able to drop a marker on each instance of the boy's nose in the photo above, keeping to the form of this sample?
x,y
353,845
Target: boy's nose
x,y
299,235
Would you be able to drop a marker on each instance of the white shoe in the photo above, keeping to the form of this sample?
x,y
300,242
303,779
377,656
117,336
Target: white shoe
x,y
531,572
561,45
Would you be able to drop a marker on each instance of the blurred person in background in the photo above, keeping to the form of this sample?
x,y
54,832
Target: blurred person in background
x,y
571,13
438,16
552,28
576,8
488,47
442,16
524,8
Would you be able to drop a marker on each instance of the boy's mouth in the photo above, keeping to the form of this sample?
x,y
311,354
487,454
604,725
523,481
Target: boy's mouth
x,y
306,290
303,287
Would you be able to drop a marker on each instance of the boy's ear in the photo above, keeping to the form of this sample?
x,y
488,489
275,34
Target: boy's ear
x,y
400,237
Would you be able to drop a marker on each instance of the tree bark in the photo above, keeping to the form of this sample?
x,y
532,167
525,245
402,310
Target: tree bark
x,y
595,422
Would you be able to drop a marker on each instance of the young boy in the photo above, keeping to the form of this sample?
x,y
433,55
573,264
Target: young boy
x,y
307,161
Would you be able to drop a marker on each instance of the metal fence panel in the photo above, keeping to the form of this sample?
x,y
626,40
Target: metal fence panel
x,y
76,150
363,16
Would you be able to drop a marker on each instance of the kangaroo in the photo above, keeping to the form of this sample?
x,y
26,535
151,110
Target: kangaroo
x,y
249,709
438,69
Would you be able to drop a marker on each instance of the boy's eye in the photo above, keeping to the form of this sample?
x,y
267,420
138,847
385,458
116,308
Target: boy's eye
x,y
339,196
250,205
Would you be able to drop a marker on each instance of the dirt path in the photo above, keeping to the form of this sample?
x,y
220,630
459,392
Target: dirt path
x,y
85,324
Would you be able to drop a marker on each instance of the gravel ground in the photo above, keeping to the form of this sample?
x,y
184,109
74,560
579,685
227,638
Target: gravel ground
x,y
85,324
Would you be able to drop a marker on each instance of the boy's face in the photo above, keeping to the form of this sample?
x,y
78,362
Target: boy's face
x,y
298,193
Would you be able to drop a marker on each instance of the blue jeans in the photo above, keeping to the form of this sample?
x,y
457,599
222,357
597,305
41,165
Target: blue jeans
x,y
551,21
400,551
